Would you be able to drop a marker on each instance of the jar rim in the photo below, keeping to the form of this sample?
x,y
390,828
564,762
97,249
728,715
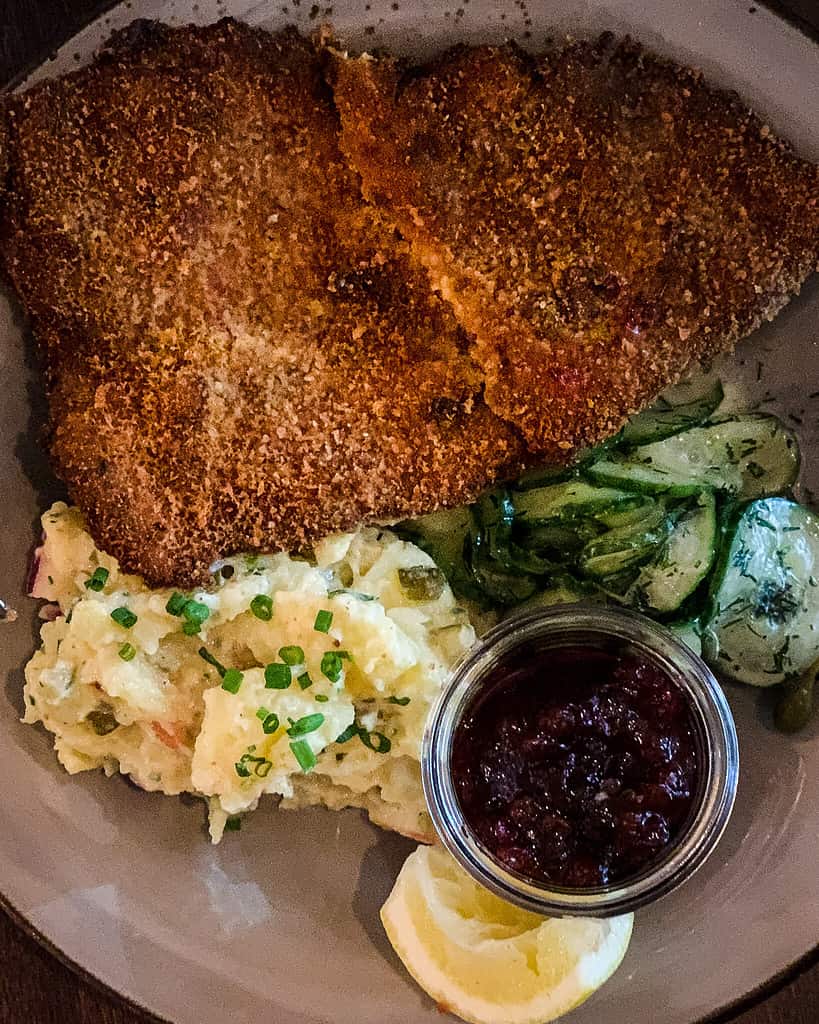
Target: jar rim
x,y
718,750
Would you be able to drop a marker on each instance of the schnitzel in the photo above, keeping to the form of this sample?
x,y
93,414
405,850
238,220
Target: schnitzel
x,y
596,217
239,353
243,354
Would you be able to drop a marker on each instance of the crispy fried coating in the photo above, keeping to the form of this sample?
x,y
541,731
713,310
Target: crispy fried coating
x,y
597,217
240,354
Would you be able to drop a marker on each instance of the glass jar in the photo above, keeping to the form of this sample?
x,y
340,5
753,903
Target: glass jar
x,y
715,737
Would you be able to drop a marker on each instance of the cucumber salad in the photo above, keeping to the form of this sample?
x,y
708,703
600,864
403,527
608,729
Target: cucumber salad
x,y
686,515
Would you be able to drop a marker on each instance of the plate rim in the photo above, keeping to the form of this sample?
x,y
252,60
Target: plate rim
x,y
725,1014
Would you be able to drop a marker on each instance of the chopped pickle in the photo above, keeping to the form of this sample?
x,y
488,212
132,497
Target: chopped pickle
x,y
421,582
102,719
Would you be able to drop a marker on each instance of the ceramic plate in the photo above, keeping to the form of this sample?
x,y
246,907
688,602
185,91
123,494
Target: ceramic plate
x,y
280,922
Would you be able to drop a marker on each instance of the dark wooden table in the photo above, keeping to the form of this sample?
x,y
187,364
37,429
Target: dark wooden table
x,y
34,987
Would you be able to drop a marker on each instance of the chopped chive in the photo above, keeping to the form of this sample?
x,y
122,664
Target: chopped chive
x,y
195,612
205,654
305,725
376,741
292,655
303,753
304,680
124,617
261,766
269,720
277,676
352,729
97,580
262,607
233,825
176,602
270,724
324,620
331,665
127,652
321,698
232,680
400,701
191,628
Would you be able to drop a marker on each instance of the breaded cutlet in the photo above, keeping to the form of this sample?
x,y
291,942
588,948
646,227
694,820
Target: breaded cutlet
x,y
596,217
239,353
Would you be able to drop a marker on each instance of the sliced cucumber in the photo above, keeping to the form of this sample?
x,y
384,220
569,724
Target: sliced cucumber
x,y
563,590
560,541
541,476
644,479
574,499
492,580
763,624
748,456
682,563
624,547
689,633
625,516
494,518
680,408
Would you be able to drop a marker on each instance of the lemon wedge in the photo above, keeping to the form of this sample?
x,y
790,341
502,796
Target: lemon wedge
x,y
486,960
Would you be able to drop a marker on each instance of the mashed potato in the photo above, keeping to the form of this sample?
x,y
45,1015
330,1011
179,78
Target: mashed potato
x,y
309,680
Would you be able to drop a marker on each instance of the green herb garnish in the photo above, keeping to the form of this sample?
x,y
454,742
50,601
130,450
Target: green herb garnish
x,y
400,701
292,655
232,680
262,607
176,602
97,580
331,665
303,753
124,617
127,652
269,720
324,620
376,741
321,698
277,676
260,766
195,612
305,725
352,729
304,680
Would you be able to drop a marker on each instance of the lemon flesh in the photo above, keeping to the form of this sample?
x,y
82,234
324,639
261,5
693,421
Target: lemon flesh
x,y
488,961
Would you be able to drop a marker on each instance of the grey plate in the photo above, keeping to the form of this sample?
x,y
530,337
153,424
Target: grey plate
x,y
280,922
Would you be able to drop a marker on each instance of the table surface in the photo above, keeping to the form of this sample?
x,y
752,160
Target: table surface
x,y
34,987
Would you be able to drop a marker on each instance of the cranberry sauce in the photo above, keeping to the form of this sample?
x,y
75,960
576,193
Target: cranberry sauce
x,y
578,766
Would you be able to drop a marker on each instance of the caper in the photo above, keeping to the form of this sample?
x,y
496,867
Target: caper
x,y
795,707
102,719
421,582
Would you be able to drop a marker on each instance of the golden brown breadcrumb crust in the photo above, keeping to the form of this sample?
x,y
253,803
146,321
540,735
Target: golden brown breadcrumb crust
x,y
596,217
240,355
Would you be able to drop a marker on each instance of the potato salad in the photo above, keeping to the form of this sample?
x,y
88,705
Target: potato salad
x,y
308,677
